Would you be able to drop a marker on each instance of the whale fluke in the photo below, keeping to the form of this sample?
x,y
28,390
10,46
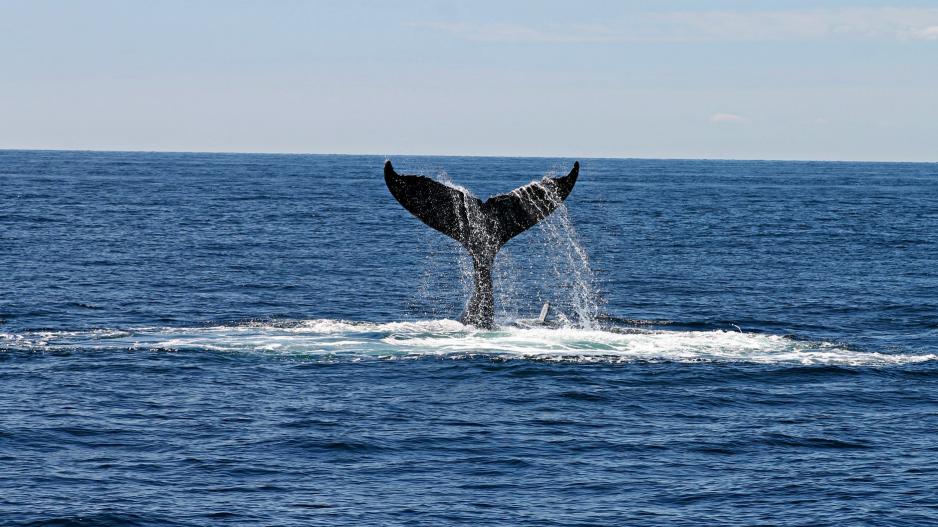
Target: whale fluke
x,y
482,228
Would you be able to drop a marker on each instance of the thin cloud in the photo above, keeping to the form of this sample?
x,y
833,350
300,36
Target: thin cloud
x,y
889,23
728,118
500,32
928,33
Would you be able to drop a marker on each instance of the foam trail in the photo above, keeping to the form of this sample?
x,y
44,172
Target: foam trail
x,y
336,339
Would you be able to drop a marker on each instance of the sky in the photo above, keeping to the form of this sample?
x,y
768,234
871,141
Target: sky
x,y
834,80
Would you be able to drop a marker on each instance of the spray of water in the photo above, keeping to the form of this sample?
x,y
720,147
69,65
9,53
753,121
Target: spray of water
x,y
570,268
443,287
550,264
569,275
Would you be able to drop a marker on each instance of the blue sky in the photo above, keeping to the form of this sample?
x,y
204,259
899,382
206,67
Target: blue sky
x,y
847,80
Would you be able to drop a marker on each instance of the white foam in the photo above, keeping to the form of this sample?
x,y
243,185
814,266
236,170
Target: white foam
x,y
448,338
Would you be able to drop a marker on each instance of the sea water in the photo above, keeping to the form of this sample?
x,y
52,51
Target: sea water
x,y
237,339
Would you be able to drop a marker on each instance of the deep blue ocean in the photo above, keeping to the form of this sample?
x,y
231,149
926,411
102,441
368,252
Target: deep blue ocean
x,y
240,339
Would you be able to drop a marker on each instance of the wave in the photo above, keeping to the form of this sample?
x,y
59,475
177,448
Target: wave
x,y
339,339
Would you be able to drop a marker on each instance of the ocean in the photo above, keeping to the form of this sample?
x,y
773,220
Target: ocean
x,y
255,339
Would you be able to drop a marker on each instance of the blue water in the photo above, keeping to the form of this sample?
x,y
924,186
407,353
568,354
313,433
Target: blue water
x,y
202,339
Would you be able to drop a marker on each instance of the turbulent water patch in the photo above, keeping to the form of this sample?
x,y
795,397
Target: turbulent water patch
x,y
338,340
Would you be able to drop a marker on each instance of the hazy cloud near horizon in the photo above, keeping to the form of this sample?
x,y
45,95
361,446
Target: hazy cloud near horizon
x,y
715,26
793,80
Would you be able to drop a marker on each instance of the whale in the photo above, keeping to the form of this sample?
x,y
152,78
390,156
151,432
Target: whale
x,y
482,228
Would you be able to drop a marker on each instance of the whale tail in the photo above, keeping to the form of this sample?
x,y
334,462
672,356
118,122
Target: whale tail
x,y
481,227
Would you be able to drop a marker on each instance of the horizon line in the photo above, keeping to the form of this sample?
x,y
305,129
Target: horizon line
x,y
386,156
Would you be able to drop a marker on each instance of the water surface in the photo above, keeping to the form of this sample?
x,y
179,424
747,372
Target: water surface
x,y
192,339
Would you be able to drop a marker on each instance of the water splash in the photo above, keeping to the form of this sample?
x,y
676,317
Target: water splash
x,y
570,268
550,264
569,280
442,287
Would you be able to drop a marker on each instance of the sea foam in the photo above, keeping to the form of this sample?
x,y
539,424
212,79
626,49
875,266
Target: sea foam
x,y
337,339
